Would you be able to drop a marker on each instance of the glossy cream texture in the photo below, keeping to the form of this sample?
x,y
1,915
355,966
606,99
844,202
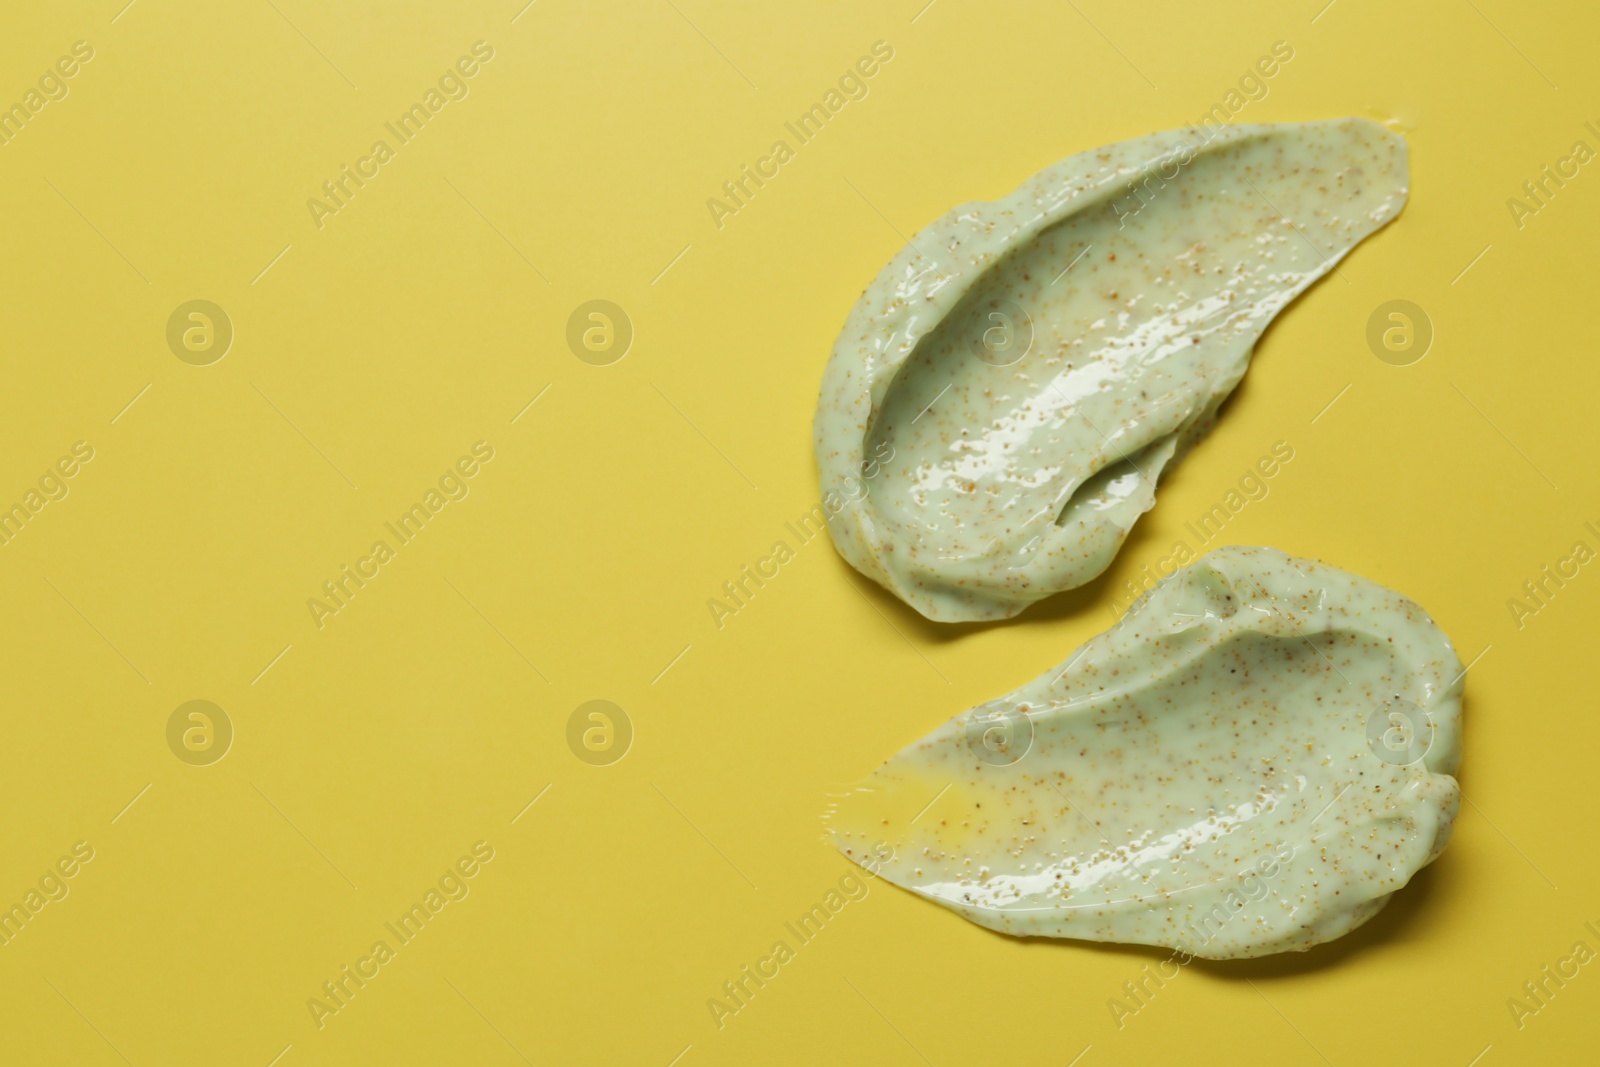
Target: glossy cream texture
x,y
1033,364
1250,762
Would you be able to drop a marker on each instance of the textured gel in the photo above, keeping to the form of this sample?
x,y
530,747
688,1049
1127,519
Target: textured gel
x,y
1252,761
1033,364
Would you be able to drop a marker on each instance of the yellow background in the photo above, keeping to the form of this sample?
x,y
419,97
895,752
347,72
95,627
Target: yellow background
x,y
371,753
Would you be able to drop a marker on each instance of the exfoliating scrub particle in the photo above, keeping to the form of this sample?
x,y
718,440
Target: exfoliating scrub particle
x,y
1033,364
1252,761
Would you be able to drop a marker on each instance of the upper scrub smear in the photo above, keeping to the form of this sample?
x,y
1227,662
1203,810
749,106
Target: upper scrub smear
x,y
1007,391
1251,761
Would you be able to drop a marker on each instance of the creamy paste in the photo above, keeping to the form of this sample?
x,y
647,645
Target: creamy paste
x,y
1251,761
1033,364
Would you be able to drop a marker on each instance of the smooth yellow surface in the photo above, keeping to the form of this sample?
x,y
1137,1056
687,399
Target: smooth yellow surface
x,y
374,752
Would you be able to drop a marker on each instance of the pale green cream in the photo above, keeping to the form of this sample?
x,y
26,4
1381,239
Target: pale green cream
x,y
1032,365
1251,761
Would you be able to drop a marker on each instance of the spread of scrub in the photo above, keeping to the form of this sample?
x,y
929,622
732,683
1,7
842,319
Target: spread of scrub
x,y
1250,762
1034,363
